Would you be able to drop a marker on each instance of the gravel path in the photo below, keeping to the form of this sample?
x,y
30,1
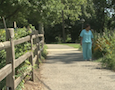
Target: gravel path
x,y
65,70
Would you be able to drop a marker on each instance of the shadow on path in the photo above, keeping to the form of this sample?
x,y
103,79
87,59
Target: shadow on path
x,y
66,58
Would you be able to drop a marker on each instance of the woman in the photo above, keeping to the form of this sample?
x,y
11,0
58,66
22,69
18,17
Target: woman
x,y
86,42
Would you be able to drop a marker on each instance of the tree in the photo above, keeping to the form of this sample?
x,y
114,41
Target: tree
x,y
71,11
53,11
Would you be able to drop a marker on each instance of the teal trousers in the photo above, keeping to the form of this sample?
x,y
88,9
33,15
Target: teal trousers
x,y
87,51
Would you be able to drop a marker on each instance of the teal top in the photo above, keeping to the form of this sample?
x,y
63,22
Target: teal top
x,y
87,36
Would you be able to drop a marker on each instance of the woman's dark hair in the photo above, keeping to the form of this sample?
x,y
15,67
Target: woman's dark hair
x,y
87,25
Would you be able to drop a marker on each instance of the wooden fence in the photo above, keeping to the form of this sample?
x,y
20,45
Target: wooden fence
x,y
8,71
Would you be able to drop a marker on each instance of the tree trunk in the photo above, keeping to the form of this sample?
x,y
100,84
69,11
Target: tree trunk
x,y
41,28
63,28
103,14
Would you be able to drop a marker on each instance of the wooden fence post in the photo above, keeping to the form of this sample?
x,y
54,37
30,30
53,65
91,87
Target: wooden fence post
x,y
31,57
10,58
37,48
15,26
43,41
41,29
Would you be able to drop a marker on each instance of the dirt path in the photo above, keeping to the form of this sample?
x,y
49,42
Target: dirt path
x,y
65,70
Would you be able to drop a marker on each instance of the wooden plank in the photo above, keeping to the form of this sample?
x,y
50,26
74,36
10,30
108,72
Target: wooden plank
x,y
4,45
31,59
36,51
40,35
22,40
19,79
43,41
22,59
33,36
34,59
6,70
39,52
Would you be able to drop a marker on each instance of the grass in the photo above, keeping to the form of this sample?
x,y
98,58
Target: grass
x,y
45,46
73,45
98,60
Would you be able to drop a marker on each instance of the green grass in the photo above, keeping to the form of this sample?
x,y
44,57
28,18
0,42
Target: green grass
x,y
73,45
45,46
98,60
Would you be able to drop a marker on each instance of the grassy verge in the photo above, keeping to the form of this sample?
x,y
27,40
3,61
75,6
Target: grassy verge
x,y
73,45
98,60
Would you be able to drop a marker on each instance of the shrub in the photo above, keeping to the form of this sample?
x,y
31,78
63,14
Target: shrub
x,y
104,46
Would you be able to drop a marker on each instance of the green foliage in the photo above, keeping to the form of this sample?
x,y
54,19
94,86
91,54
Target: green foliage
x,y
44,53
2,35
98,60
105,44
32,27
21,85
19,51
21,32
98,13
68,38
37,11
97,53
23,68
45,47
58,39
40,60
2,84
20,70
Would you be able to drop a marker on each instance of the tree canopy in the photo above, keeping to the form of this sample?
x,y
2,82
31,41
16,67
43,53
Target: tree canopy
x,y
35,11
99,13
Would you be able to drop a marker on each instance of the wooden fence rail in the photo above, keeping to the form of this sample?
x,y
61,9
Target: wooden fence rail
x,y
8,71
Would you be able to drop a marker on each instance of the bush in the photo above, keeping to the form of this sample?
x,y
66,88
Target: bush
x,y
104,47
97,53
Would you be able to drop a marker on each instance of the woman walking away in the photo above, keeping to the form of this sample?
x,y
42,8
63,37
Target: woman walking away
x,y
86,42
